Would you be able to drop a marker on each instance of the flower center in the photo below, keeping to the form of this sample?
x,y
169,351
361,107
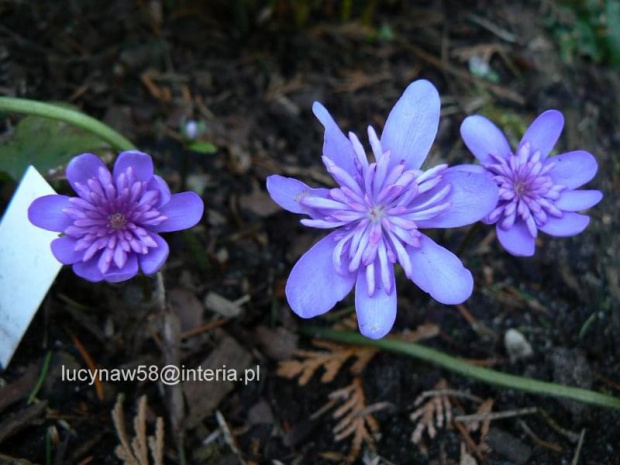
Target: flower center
x,y
376,213
117,221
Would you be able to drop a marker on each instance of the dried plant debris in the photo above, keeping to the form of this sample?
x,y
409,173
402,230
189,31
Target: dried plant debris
x,y
332,360
355,417
135,452
336,355
436,411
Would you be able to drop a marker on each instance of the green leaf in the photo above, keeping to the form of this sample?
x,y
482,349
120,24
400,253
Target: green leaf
x,y
202,147
45,143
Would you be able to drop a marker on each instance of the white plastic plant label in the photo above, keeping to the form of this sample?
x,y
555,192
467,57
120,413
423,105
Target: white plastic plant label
x,y
27,266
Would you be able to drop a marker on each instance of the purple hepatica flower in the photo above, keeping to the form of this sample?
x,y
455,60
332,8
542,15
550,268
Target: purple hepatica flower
x,y
535,192
377,211
112,227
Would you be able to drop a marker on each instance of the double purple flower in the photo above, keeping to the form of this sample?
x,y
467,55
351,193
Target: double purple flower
x,y
536,192
376,215
113,227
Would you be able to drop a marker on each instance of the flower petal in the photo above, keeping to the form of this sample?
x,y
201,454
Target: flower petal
x,y
439,272
115,275
544,132
314,287
376,314
574,201
469,168
157,183
412,124
183,211
288,192
46,212
82,168
569,225
573,169
472,197
63,249
89,270
517,240
482,137
336,146
155,257
141,163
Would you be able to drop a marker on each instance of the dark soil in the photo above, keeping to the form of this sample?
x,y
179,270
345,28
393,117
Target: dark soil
x,y
252,78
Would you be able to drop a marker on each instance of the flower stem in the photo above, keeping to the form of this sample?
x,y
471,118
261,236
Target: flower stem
x,y
66,115
459,366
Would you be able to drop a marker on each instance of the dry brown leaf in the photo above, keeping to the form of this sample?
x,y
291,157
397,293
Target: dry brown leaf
x,y
355,418
331,360
438,406
136,451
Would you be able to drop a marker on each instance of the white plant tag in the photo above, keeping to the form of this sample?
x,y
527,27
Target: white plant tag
x,y
27,266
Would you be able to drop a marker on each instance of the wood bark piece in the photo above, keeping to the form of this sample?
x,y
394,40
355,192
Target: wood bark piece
x,y
203,397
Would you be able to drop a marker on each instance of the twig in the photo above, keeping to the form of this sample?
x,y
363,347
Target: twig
x,y
92,366
496,415
549,445
489,26
578,451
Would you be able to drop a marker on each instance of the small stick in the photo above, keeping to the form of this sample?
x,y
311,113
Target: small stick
x,y
578,451
496,415
92,366
204,328
549,445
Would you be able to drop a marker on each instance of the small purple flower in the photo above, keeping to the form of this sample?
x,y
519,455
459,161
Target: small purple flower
x,y
535,192
112,227
376,213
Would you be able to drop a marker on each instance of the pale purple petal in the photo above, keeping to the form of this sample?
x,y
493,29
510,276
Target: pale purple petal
x,y
574,201
472,197
128,271
46,212
569,225
183,211
82,168
376,314
412,124
140,163
314,287
89,270
63,249
158,184
337,147
483,138
288,193
479,169
155,258
439,272
517,240
544,132
573,169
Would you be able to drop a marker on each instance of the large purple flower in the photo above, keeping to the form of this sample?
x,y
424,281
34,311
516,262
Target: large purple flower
x,y
376,214
113,227
535,192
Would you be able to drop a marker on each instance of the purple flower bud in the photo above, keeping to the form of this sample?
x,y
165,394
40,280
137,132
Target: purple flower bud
x,y
113,227
378,211
536,192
